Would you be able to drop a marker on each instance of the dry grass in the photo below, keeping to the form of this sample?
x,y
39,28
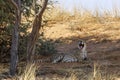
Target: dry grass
x,y
94,27
97,74
85,23
29,73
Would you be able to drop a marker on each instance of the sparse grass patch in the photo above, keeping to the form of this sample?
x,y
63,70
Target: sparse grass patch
x,y
29,73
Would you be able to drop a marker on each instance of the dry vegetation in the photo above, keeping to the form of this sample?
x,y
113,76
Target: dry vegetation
x,y
100,31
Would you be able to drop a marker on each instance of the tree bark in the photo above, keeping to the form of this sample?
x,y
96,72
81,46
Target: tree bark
x,y
35,33
15,35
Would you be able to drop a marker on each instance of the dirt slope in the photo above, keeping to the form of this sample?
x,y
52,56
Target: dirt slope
x,y
103,44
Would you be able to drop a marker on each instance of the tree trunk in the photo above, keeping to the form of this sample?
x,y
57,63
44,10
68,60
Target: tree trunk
x,y
35,33
15,34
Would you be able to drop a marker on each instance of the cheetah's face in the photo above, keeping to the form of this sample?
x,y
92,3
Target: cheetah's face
x,y
81,45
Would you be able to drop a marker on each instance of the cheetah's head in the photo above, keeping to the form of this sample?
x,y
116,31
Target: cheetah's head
x,y
81,44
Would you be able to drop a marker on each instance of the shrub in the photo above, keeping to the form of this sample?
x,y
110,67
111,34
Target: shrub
x,y
45,47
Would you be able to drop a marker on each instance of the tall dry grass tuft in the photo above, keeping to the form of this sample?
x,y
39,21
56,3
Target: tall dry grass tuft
x,y
96,72
29,73
99,74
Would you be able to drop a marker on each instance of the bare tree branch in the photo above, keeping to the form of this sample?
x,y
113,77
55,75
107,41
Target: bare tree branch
x,y
14,4
43,8
35,32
